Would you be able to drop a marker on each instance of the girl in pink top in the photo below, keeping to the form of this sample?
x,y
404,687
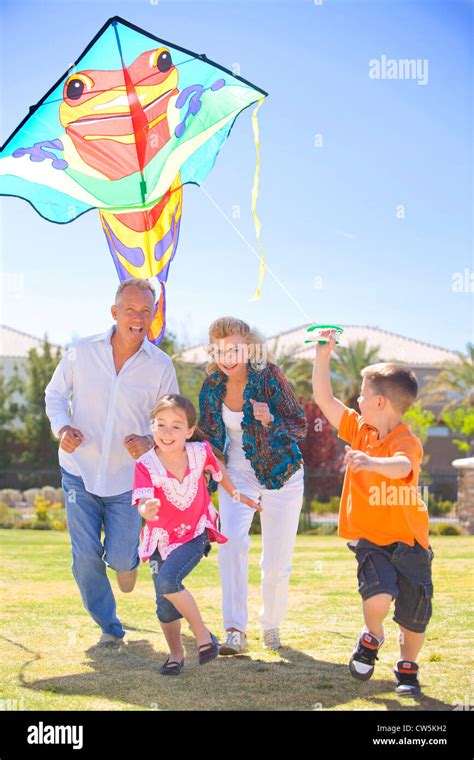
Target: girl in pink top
x,y
170,491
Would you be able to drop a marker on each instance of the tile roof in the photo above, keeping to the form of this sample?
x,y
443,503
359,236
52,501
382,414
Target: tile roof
x,y
393,347
17,344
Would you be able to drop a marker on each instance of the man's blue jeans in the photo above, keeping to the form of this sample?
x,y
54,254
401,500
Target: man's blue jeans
x,y
86,515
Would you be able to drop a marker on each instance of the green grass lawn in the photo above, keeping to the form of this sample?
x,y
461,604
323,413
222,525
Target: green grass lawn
x,y
49,661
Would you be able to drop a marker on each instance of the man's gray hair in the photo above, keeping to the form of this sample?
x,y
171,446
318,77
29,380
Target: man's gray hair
x,y
137,282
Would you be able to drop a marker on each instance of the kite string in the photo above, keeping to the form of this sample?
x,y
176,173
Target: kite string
x,y
256,179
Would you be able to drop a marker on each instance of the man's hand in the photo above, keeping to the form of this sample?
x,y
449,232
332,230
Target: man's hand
x,y
149,508
261,412
70,438
357,460
137,445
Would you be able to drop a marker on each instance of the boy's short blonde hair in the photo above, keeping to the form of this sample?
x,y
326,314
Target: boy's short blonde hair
x,y
396,383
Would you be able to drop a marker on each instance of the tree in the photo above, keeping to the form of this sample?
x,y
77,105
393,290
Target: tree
x,y
190,376
9,408
461,423
455,382
39,447
300,376
420,420
323,455
346,368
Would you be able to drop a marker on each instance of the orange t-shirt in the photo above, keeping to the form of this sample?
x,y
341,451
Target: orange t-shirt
x,y
381,509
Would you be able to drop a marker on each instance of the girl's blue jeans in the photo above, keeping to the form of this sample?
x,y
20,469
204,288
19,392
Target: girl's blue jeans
x,y
168,574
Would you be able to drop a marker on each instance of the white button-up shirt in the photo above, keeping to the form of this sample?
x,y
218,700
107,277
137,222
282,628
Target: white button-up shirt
x,y
87,393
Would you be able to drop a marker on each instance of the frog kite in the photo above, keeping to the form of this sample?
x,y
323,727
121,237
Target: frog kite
x,y
132,121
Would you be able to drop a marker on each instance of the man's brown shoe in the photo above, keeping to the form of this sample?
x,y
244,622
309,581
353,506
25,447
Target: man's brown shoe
x,y
109,640
127,580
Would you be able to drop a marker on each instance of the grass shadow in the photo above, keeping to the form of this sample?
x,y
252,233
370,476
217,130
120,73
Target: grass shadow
x,y
128,677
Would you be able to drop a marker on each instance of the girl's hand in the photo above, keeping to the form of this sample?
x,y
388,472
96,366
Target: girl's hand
x,y
357,460
149,508
249,502
261,412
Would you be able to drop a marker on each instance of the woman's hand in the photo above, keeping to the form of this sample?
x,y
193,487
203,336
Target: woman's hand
x,y
261,412
149,508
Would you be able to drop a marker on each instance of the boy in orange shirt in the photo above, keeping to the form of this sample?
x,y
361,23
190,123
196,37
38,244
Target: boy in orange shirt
x,y
381,512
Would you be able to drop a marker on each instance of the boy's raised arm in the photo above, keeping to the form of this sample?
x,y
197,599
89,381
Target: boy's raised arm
x,y
331,407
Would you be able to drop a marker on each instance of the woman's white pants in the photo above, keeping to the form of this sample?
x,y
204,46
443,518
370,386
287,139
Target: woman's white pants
x,y
279,520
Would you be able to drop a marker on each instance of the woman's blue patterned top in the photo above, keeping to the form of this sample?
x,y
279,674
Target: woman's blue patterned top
x,y
272,451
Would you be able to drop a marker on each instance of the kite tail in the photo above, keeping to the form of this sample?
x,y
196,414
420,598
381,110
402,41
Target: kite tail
x,y
143,243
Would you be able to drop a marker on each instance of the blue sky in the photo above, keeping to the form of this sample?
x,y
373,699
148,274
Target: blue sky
x,y
365,227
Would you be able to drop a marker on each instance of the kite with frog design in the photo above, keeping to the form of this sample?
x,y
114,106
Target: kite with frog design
x,y
122,131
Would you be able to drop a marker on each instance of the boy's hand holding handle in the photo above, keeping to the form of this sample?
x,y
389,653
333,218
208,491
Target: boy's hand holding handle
x,y
325,349
331,407
149,508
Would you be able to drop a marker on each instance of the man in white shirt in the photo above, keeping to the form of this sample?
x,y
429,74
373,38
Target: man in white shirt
x,y
98,402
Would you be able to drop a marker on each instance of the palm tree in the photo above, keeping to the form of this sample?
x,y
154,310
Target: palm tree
x,y
300,375
455,382
346,368
298,372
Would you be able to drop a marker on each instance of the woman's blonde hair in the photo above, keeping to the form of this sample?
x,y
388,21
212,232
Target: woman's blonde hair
x,y
259,354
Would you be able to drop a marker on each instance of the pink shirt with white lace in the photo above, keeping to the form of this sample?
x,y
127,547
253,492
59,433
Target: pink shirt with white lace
x,y
186,508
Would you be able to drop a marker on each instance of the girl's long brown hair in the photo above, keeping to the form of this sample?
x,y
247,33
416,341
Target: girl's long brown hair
x,y
177,401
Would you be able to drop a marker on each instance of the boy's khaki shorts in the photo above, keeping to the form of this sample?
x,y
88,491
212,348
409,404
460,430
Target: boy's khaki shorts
x,y
400,570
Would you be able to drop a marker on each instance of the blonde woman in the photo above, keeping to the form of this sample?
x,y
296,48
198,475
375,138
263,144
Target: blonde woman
x,y
249,412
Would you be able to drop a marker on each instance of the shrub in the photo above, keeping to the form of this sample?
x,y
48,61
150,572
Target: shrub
x,y
9,518
321,530
446,529
319,507
437,507
48,515
26,525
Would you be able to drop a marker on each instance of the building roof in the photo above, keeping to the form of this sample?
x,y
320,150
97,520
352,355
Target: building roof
x,y
393,347
16,344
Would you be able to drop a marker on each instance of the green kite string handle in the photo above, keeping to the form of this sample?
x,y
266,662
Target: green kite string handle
x,y
338,329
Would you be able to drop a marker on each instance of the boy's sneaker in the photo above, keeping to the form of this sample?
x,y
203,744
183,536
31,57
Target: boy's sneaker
x,y
271,638
235,643
362,662
406,673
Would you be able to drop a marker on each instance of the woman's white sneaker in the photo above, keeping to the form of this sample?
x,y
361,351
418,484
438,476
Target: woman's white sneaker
x,y
271,638
235,643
